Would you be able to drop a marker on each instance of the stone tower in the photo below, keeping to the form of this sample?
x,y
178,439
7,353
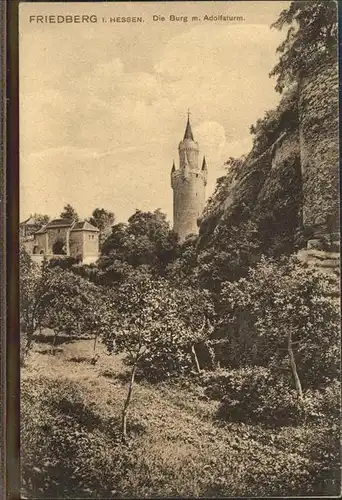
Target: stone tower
x,y
188,183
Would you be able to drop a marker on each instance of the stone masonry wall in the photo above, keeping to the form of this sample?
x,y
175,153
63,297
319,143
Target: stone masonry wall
x,y
76,244
188,202
90,244
55,234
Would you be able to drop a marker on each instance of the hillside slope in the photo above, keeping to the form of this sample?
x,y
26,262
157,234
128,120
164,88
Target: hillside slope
x,y
71,446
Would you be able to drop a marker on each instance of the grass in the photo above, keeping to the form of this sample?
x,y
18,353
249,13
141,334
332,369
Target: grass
x,y
177,447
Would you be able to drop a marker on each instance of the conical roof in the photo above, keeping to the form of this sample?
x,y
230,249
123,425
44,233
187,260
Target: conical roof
x,y
188,132
204,164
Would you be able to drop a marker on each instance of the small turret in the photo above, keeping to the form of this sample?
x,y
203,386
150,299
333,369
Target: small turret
x,y
173,173
205,170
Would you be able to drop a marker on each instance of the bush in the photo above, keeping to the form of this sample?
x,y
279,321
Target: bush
x,y
279,301
67,448
325,454
71,449
63,262
168,362
256,394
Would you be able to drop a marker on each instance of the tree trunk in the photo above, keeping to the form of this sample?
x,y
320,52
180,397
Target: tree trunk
x,y
29,340
294,367
95,356
128,400
198,368
54,343
212,356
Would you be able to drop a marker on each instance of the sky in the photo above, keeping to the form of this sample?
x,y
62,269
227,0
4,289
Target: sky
x,y
103,106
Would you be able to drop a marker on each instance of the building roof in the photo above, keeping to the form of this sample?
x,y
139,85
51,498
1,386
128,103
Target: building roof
x,y
188,132
59,223
31,221
42,230
84,226
74,226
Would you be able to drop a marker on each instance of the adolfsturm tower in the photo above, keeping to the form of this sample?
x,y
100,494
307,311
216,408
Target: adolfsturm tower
x,y
188,183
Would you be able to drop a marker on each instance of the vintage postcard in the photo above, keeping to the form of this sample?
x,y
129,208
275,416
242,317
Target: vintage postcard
x,y
179,249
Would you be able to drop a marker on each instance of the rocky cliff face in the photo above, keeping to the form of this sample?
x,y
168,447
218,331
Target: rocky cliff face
x,y
319,153
288,186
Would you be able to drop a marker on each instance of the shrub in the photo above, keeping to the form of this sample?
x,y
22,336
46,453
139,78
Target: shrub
x,y
256,394
71,449
282,303
63,262
68,449
170,361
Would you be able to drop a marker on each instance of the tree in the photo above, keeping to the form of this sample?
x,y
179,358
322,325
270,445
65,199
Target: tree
x,y
41,220
72,303
103,220
153,317
33,293
311,39
69,213
232,251
285,307
183,270
58,248
146,240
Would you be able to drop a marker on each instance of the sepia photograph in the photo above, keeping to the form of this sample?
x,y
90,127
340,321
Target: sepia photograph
x,y
179,260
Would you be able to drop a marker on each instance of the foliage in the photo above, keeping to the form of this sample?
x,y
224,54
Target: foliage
x,y
63,263
40,220
153,320
152,316
69,213
73,304
232,251
182,271
71,447
278,209
67,449
146,240
103,220
259,394
278,298
311,39
276,122
33,294
59,247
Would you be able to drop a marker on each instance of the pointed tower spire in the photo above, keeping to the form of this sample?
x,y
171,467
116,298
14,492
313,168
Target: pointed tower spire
x,y
204,164
173,166
188,132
